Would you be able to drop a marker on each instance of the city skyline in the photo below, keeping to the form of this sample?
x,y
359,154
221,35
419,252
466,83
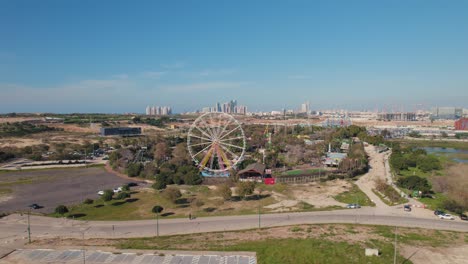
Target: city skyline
x,y
66,57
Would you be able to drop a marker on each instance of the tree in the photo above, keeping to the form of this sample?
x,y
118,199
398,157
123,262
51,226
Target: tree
x,y
415,183
157,209
190,175
181,155
160,182
245,188
134,169
61,209
172,194
107,196
225,192
161,152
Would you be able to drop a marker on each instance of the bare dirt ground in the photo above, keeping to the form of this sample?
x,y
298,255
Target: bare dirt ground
x,y
319,195
436,123
377,171
432,255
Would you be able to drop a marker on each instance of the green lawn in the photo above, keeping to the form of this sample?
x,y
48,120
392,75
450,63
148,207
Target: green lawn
x,y
355,195
435,203
416,171
283,251
433,143
302,172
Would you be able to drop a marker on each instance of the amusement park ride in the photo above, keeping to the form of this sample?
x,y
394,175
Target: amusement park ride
x,y
216,143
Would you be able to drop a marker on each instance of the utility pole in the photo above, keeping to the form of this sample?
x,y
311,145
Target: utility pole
x,y
83,249
157,224
29,228
259,223
395,253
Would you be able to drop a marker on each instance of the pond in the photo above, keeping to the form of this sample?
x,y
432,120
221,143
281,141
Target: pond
x,y
457,155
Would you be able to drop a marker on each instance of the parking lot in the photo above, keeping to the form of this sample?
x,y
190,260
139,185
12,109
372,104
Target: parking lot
x,y
51,187
98,257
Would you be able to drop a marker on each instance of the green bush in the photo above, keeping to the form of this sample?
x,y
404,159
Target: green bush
x,y
453,206
160,183
245,188
126,188
107,196
88,201
225,192
172,194
157,209
61,209
122,195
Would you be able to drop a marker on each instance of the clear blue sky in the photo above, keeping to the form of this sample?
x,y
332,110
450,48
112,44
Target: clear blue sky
x,y
119,56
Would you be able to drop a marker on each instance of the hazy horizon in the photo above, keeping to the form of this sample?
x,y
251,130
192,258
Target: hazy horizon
x,y
117,57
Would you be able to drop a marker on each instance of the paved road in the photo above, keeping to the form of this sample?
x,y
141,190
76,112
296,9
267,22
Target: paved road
x,y
14,227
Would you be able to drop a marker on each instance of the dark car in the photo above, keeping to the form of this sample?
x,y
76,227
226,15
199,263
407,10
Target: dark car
x,y
407,207
439,212
132,184
35,206
464,217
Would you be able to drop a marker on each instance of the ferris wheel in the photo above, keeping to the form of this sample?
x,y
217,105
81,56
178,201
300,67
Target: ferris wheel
x,y
216,142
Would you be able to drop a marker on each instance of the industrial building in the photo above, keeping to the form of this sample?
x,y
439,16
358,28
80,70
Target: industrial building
x,y
400,116
447,112
461,124
121,131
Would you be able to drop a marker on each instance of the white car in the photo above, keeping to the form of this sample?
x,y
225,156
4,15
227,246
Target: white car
x,y
100,193
117,190
353,206
446,216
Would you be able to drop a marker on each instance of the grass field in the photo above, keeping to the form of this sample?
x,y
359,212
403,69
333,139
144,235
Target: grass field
x,y
433,143
355,195
327,243
204,201
197,200
302,172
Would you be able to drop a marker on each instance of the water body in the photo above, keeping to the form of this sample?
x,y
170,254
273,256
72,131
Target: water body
x,y
450,152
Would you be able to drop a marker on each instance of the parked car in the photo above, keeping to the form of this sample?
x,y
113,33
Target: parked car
x,y
407,207
132,184
117,190
353,206
446,216
464,217
100,193
35,206
439,212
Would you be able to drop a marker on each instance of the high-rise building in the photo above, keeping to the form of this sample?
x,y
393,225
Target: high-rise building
x,y
158,110
305,108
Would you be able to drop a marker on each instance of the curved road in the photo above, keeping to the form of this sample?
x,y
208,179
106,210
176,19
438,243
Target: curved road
x,y
14,227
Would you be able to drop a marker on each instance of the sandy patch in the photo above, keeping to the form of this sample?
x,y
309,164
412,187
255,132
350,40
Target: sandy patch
x,y
431,255
321,194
